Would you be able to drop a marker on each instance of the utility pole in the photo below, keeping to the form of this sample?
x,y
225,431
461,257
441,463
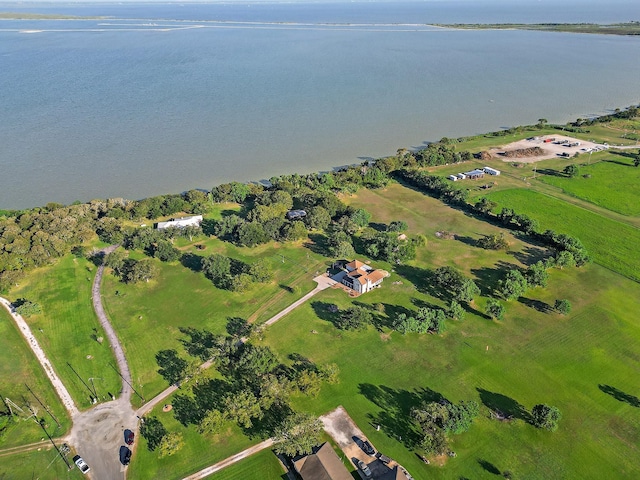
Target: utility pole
x,y
91,379
43,406
93,399
125,381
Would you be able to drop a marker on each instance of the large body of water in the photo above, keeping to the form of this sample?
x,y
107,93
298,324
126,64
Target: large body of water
x,y
163,98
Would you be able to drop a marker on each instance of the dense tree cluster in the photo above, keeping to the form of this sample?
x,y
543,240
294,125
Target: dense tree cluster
x,y
425,320
253,390
452,281
545,416
235,275
436,419
130,270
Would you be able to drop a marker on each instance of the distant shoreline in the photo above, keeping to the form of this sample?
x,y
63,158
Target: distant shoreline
x,y
628,28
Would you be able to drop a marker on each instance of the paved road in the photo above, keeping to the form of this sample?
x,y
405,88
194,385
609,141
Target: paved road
x,y
61,390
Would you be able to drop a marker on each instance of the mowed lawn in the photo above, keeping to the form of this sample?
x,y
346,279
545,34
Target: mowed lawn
x,y
610,243
148,316
261,466
530,357
18,366
68,329
612,184
44,464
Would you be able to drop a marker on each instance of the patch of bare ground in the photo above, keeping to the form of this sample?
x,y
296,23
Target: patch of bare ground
x,y
531,149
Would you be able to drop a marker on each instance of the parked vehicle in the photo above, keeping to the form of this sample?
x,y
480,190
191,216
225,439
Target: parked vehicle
x,y
128,437
365,468
367,448
81,464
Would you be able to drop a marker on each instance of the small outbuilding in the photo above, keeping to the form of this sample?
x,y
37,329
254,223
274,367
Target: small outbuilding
x,y
453,178
296,214
491,171
473,174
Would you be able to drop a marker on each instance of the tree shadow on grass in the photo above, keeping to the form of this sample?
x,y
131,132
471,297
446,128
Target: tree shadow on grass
x,y
538,305
191,261
627,154
489,467
530,255
395,416
318,244
327,312
208,226
424,281
472,242
498,402
620,395
487,278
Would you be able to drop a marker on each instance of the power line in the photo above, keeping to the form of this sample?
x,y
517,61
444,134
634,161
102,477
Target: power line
x,y
43,406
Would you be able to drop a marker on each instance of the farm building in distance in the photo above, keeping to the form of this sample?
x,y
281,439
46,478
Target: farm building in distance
x,y
181,222
296,214
491,171
473,174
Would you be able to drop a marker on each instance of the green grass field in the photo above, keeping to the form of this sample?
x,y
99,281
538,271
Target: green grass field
x,y
150,314
610,243
67,328
18,366
44,464
612,184
261,466
531,357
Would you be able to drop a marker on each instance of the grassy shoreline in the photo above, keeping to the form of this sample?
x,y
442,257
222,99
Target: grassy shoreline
x,y
628,28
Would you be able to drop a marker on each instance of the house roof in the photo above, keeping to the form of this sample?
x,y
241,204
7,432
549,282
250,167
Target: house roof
x,y
356,264
395,474
322,464
377,275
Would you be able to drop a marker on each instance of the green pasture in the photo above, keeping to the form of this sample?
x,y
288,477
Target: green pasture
x,y
18,366
612,184
147,316
530,357
610,243
68,329
43,464
263,465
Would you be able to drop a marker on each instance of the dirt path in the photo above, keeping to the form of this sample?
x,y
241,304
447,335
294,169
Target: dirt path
x,y
61,390
116,346
44,444
205,472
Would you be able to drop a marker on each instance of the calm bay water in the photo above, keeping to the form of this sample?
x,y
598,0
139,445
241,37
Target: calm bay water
x,y
164,98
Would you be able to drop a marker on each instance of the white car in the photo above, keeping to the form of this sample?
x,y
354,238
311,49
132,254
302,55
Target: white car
x,y
82,465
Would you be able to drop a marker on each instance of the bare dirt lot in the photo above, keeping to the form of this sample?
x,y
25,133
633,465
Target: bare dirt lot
x,y
560,146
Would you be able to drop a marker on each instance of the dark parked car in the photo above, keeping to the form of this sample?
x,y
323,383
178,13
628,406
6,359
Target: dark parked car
x,y
128,437
367,448
125,455
365,468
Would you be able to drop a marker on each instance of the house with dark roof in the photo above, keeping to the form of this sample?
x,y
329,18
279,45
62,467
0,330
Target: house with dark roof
x,y
361,277
322,464
396,473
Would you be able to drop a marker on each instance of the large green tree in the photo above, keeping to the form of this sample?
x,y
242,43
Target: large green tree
x,y
298,434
